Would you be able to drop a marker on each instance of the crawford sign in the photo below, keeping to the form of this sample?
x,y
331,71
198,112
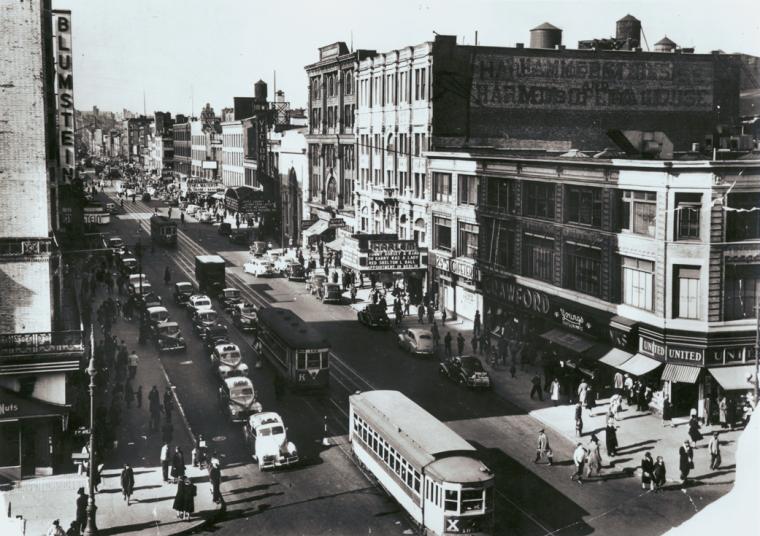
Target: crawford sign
x,y
515,294
64,88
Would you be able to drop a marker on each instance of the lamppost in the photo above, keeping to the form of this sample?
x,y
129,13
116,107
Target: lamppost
x,y
139,255
91,529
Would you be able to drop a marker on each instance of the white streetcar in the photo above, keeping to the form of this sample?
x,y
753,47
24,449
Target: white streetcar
x,y
432,472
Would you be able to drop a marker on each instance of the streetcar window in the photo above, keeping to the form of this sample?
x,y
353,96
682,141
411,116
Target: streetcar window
x,y
472,499
324,359
489,498
301,360
416,484
451,500
313,360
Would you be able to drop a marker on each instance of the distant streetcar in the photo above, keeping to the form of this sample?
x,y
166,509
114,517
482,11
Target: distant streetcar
x,y
424,465
163,230
297,351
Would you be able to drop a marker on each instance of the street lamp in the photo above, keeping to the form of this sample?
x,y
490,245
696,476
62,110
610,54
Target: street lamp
x,y
139,255
91,529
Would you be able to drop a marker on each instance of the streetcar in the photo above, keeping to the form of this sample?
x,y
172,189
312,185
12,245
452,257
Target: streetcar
x,y
432,472
297,351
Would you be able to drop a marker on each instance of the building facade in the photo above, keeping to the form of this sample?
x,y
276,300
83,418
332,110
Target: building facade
x,y
233,173
182,148
651,267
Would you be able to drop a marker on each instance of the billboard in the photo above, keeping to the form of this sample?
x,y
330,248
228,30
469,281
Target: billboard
x,y
64,89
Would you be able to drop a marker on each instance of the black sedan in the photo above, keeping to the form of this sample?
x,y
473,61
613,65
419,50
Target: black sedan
x,y
374,316
466,370
295,272
182,292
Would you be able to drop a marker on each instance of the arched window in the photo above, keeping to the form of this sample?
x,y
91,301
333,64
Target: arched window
x,y
419,231
331,189
349,82
402,230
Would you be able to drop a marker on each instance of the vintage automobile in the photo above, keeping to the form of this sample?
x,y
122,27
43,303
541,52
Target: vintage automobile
x,y
134,279
417,341
155,315
197,302
228,361
137,289
128,265
224,228
315,283
169,337
258,248
244,316
260,268
374,316
212,342
149,299
278,258
214,331
238,398
228,298
115,244
332,293
202,319
240,236
295,271
182,292
192,209
204,216
266,438
466,370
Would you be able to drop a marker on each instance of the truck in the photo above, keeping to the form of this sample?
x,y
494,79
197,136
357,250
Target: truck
x,y
163,230
209,273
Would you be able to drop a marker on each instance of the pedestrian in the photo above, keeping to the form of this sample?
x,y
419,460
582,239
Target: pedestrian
x,y
81,516
132,361
618,381
168,404
536,387
215,477
447,343
178,464
659,474
579,459
666,411
167,276
407,304
543,448
436,336
353,294
594,457
430,314
189,497
182,218
165,452
685,460
610,437
139,396
154,405
127,482
578,419
714,448
443,315
582,392
694,427
476,323
722,411
460,344
474,343
129,395
554,391
647,470
421,313
56,529
179,499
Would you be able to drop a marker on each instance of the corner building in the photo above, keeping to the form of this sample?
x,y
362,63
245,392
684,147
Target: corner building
x,y
651,268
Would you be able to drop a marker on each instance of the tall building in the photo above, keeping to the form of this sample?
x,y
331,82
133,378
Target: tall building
x,y
233,173
41,339
182,147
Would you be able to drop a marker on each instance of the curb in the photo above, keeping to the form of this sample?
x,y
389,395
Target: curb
x,y
176,400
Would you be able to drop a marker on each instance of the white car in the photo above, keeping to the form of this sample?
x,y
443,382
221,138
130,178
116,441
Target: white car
x,y
196,302
228,360
417,341
279,260
238,398
192,209
260,267
266,436
204,216
134,279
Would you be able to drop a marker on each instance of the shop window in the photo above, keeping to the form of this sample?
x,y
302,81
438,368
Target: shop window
x,y
468,189
741,293
584,206
538,257
743,225
441,233
688,207
686,300
442,187
538,200
583,269
638,282
9,444
468,240
638,212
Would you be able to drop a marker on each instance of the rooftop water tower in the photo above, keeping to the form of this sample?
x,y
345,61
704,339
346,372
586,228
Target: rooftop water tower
x,y
545,36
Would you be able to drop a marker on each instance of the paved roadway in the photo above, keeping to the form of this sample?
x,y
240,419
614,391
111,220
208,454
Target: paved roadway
x,y
328,494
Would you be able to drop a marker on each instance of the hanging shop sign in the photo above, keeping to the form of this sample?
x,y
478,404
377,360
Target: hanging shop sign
x,y
64,88
465,269
443,263
393,254
336,223
671,352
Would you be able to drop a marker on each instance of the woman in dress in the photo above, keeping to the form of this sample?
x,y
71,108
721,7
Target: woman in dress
x,y
610,437
723,412
178,464
659,474
694,432
179,498
647,470
188,498
554,390
594,457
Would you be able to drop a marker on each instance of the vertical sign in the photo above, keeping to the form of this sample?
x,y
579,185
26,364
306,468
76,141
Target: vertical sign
x,y
64,88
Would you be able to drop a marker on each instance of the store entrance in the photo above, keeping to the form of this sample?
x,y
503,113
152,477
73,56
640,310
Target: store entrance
x,y
684,397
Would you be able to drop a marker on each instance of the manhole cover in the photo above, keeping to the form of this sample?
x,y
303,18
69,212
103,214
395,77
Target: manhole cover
x,y
219,439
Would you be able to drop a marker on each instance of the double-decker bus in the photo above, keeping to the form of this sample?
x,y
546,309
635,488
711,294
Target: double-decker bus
x,y
298,352
425,466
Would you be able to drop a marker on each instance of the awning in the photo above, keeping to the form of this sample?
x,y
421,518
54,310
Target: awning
x,y
639,365
734,378
16,407
680,373
335,245
616,357
319,227
567,340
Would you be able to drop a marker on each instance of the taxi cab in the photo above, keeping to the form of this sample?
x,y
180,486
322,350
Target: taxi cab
x,y
156,315
244,316
197,302
228,361
238,398
267,440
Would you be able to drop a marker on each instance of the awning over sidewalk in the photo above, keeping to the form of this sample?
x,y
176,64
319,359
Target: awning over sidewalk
x,y
734,378
639,365
568,340
319,227
335,245
616,357
16,407
680,373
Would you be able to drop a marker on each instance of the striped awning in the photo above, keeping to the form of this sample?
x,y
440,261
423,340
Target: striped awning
x,y
734,378
680,373
616,357
640,364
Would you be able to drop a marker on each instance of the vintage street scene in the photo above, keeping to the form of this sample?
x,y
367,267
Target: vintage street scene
x,y
329,267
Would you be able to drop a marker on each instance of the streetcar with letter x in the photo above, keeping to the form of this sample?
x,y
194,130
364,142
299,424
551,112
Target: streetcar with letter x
x,y
298,352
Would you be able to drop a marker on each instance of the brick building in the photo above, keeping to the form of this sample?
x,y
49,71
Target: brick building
x,y
182,147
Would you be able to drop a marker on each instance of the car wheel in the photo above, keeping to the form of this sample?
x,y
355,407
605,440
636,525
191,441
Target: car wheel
x,y
460,380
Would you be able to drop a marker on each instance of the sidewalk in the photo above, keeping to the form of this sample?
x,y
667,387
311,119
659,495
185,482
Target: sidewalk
x,y
43,499
637,431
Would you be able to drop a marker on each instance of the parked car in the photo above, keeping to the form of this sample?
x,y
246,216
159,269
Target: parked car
x,y
169,337
149,299
182,292
258,248
332,293
374,316
244,316
155,315
197,302
260,268
315,283
128,265
204,216
241,236
224,229
228,298
115,243
466,370
417,341
295,272
202,318
192,209
228,361
134,279
238,398
139,289
266,438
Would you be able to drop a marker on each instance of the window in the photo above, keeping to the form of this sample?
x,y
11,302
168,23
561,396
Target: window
x,y
638,212
468,240
743,225
538,200
416,144
442,233
468,189
442,187
687,292
315,87
499,244
389,93
348,82
742,291
638,286
687,216
330,85
451,500
500,194
538,257
583,269
472,500
584,206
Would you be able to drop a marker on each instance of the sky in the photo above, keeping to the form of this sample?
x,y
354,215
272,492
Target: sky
x,y
183,53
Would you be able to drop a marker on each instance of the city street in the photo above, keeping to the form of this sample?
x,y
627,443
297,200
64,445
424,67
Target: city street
x,y
531,499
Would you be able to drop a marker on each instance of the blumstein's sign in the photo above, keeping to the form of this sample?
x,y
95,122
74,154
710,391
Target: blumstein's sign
x,y
64,88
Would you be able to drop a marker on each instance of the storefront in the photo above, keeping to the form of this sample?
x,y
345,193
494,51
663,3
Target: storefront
x,y
457,286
